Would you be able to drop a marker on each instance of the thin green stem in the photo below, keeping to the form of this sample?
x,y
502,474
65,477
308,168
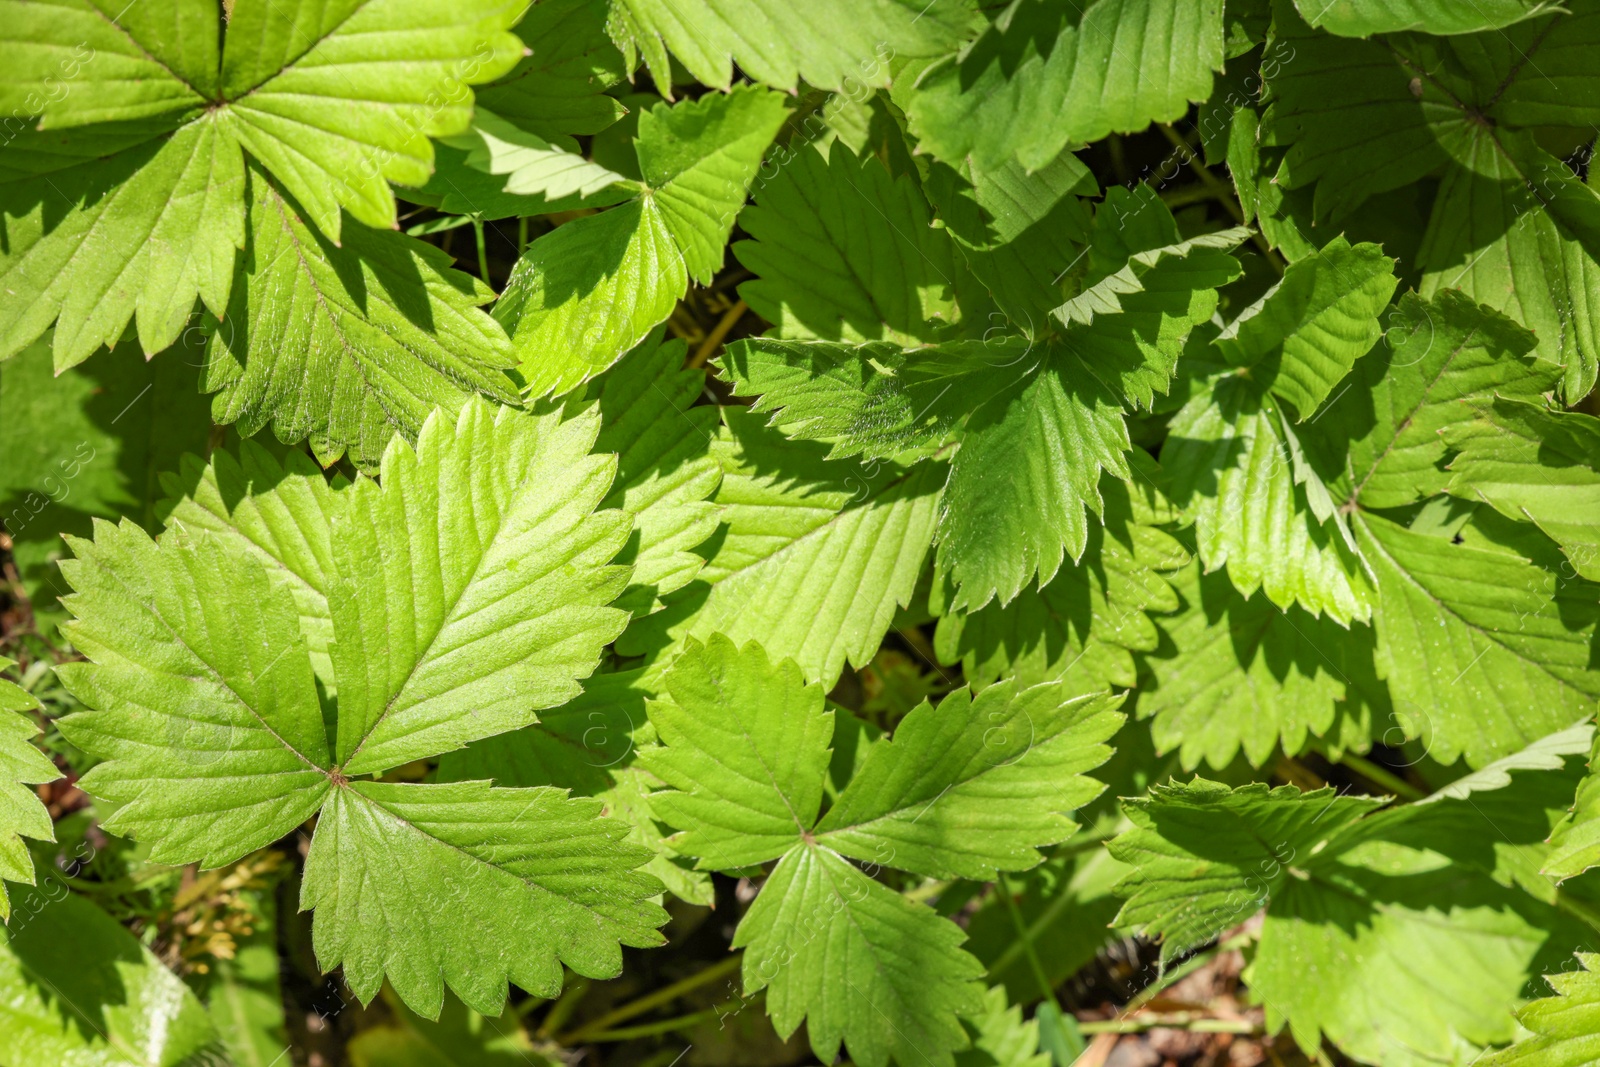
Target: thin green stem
x,y
563,1008
1382,776
483,251
1069,1023
1224,195
665,995
1191,1021
628,1033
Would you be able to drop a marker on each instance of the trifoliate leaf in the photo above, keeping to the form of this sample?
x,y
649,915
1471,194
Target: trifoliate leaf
x,y
1246,676
1565,1028
1530,463
1206,857
817,556
1042,76
468,885
473,580
1084,625
844,251
1362,18
858,963
1483,651
1512,226
1304,335
341,344
665,470
333,104
22,813
1379,444
79,989
334,115
745,750
512,563
833,45
88,443
1232,468
976,785
587,292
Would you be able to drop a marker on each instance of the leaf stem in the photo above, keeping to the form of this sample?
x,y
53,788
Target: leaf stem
x,y
563,1008
1194,1022
665,995
1380,775
1224,195
718,332
1068,1023
483,252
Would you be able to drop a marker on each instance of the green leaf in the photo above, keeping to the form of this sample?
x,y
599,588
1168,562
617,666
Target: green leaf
x,y
280,513
858,963
1483,651
1530,463
1000,1037
78,988
88,443
1362,18
1242,675
206,717
977,785
745,750
665,470
1497,234
1575,840
1041,77
473,579
832,46
1379,444
817,554
1206,857
560,88
587,292
531,164
94,241
342,344
1563,1027
588,745
1399,906
1019,233
22,813
514,565
1084,625
496,884
1304,335
1233,468
842,250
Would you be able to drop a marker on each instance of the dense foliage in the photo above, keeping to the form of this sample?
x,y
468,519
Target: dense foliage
x,y
908,531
